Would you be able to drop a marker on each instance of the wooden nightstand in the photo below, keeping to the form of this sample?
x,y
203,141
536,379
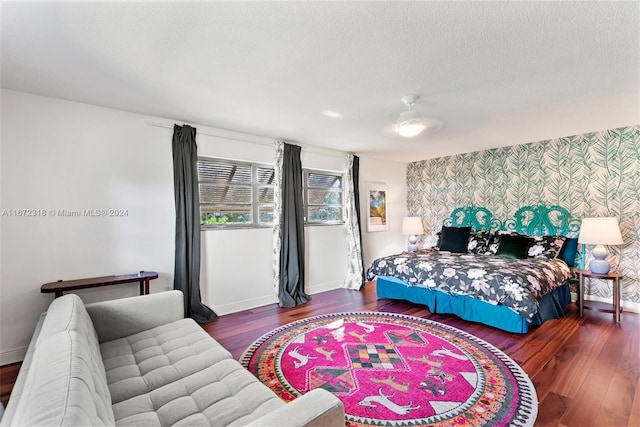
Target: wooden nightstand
x,y
614,308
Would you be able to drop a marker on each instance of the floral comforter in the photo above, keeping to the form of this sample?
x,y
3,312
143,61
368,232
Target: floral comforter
x,y
515,283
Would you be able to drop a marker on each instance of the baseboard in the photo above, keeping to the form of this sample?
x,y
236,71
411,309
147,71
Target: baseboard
x,y
245,304
323,287
268,299
633,307
12,356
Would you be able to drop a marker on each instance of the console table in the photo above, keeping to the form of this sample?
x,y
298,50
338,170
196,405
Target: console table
x,y
94,282
614,308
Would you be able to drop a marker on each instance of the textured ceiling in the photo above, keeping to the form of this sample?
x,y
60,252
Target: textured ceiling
x,y
496,73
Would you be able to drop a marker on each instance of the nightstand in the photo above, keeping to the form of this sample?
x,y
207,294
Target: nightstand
x,y
614,308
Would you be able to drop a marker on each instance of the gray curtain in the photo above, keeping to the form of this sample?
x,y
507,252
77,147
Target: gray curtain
x,y
187,198
291,289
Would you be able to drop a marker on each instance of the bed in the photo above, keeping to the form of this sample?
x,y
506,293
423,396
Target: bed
x,y
510,274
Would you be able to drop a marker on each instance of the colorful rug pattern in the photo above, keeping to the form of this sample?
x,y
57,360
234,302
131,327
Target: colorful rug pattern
x,y
395,370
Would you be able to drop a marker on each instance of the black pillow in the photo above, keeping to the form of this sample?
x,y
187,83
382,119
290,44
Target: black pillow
x,y
454,239
568,251
514,246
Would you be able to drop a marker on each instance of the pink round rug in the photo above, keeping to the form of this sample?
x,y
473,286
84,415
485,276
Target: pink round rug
x,y
395,370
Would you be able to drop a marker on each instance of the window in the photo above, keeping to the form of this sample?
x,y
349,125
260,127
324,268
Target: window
x,y
323,197
235,194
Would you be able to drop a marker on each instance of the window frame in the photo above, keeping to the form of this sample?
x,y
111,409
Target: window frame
x,y
305,197
255,188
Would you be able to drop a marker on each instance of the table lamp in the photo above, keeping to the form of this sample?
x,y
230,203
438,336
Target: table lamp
x,y
412,227
600,231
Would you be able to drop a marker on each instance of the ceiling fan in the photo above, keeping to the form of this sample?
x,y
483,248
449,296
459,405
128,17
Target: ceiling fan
x,y
411,123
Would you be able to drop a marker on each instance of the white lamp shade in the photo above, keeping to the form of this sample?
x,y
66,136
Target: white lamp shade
x,y
412,226
600,231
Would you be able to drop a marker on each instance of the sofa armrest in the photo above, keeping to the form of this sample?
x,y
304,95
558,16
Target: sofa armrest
x,y
18,386
318,408
127,316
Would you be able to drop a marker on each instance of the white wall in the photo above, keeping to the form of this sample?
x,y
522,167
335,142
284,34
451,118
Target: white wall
x,y
394,175
63,155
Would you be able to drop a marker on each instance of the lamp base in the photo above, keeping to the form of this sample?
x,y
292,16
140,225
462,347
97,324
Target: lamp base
x,y
412,246
599,264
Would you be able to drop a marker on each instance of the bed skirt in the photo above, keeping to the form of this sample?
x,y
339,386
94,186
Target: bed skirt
x,y
499,316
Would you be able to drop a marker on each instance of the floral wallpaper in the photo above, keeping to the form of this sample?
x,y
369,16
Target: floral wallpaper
x,y
595,174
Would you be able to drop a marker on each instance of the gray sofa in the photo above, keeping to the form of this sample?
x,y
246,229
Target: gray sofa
x,y
137,361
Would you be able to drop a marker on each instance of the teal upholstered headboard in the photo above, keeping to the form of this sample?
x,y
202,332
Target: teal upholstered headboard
x,y
477,217
543,220
537,220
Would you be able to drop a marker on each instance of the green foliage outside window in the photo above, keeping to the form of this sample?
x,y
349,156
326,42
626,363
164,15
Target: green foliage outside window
x,y
209,219
325,214
228,218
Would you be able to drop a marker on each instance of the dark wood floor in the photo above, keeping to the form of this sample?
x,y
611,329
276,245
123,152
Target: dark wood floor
x,y
586,370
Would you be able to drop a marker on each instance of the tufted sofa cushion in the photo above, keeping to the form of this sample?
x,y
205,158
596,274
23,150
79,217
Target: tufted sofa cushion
x,y
175,374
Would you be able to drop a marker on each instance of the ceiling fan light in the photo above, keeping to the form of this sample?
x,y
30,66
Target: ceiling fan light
x,y
409,124
410,129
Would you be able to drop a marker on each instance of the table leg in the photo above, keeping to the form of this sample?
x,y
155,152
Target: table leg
x,y
146,286
142,287
616,299
581,294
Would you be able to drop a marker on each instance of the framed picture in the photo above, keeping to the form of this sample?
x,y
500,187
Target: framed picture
x,y
377,219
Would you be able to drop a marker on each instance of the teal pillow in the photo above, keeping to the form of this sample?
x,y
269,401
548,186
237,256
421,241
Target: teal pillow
x,y
568,251
514,246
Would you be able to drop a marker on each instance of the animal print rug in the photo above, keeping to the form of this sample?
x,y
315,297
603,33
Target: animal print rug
x,y
395,370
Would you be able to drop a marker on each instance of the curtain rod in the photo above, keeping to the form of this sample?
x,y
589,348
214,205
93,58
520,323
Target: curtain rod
x,y
162,125
310,150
